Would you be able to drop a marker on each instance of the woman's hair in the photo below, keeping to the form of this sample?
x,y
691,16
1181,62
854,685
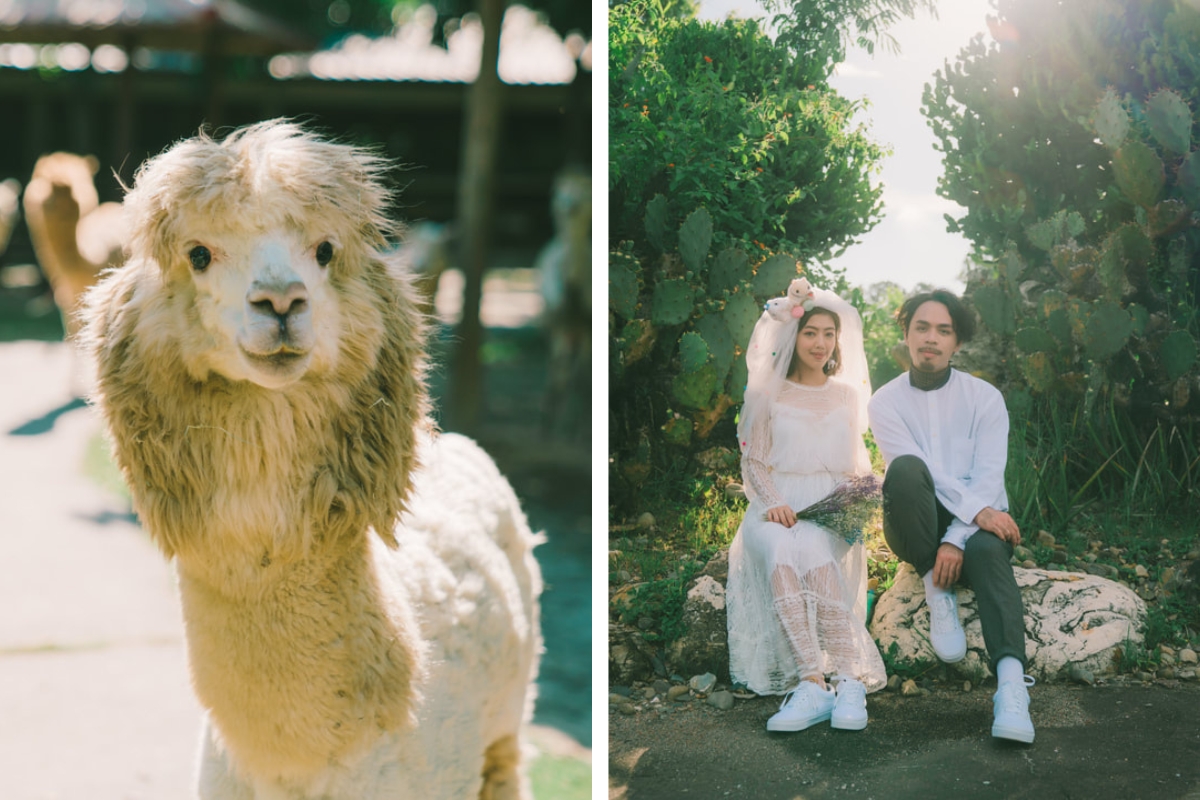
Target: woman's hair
x,y
960,315
834,364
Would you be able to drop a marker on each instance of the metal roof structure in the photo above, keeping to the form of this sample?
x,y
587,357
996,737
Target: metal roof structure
x,y
220,27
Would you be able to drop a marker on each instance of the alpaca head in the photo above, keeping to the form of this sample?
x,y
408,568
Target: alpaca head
x,y
257,334
262,237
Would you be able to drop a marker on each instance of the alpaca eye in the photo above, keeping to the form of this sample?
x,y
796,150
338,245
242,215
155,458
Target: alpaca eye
x,y
324,253
201,257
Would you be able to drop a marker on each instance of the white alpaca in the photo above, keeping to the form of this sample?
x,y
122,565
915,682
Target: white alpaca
x,y
261,374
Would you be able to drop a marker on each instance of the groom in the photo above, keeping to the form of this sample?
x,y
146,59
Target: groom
x,y
944,436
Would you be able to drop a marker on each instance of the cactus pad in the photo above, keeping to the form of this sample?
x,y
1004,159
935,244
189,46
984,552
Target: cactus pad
x,y
1111,272
1106,331
996,309
741,312
773,275
1139,173
1178,352
672,303
678,431
623,271
730,267
1167,217
695,237
1188,178
694,389
1111,120
693,352
637,339
1059,325
1035,340
1052,300
656,222
738,376
1170,121
1039,372
1140,317
720,344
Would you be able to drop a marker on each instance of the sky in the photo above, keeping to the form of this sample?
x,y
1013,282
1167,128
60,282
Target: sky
x,y
910,245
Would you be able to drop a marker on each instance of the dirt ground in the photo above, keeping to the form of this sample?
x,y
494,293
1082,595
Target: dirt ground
x,y
1106,741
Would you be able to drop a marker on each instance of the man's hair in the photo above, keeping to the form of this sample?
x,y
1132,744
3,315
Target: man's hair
x,y
960,315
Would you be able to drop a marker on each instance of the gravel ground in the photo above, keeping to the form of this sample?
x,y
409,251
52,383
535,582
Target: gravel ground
x,y
1105,741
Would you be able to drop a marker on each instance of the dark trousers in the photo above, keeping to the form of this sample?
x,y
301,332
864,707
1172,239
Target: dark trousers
x,y
914,521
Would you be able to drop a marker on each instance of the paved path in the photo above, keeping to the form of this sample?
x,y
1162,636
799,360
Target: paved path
x,y
94,694
1111,742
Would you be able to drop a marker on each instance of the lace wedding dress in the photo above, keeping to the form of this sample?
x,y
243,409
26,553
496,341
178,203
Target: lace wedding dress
x,y
796,597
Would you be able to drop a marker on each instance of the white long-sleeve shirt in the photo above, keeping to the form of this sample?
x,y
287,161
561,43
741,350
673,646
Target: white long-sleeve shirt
x,y
960,431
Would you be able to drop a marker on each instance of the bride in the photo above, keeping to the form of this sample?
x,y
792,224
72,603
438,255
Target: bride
x,y
796,595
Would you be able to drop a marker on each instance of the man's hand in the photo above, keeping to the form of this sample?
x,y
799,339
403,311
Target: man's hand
x,y
782,515
999,523
948,566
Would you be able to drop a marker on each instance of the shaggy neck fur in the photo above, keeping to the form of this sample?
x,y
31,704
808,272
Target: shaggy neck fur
x,y
266,499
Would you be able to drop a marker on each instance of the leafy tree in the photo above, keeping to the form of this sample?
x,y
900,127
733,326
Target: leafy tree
x,y
719,116
817,32
1069,140
730,161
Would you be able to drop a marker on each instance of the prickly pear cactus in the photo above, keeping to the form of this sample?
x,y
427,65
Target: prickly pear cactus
x,y
672,303
623,273
1139,173
1107,313
1107,330
693,352
695,237
1178,354
656,222
1170,121
774,275
1111,120
727,271
679,324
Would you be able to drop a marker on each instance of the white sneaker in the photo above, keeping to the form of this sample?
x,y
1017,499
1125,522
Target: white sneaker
x,y
804,706
850,709
1010,708
945,631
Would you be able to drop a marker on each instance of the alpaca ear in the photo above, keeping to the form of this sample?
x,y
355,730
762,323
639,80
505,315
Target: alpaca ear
x,y
93,163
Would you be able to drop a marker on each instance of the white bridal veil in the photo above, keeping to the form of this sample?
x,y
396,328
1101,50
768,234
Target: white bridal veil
x,y
769,354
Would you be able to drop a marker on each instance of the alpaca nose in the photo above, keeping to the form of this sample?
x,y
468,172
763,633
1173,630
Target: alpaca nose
x,y
278,300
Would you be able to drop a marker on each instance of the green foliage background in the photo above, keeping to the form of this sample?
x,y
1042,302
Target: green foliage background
x,y
1070,143
732,163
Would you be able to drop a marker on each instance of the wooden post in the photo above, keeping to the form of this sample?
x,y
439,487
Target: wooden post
x,y
476,189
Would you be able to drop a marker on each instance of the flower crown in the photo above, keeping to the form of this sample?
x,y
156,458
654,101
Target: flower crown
x,y
793,305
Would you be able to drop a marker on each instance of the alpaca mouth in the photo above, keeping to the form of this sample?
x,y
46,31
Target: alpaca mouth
x,y
281,360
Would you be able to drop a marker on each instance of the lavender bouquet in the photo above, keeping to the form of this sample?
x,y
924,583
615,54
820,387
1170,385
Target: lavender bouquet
x,y
851,508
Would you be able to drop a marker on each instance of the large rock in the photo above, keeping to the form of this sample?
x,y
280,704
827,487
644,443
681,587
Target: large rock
x,y
1071,619
630,657
704,646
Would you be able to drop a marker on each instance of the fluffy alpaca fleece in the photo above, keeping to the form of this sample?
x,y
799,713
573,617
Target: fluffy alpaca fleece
x,y
261,374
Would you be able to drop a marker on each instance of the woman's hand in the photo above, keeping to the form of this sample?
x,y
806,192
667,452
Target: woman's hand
x,y
782,515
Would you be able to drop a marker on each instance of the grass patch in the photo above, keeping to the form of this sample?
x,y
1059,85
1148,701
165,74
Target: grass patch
x,y
98,465
560,778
